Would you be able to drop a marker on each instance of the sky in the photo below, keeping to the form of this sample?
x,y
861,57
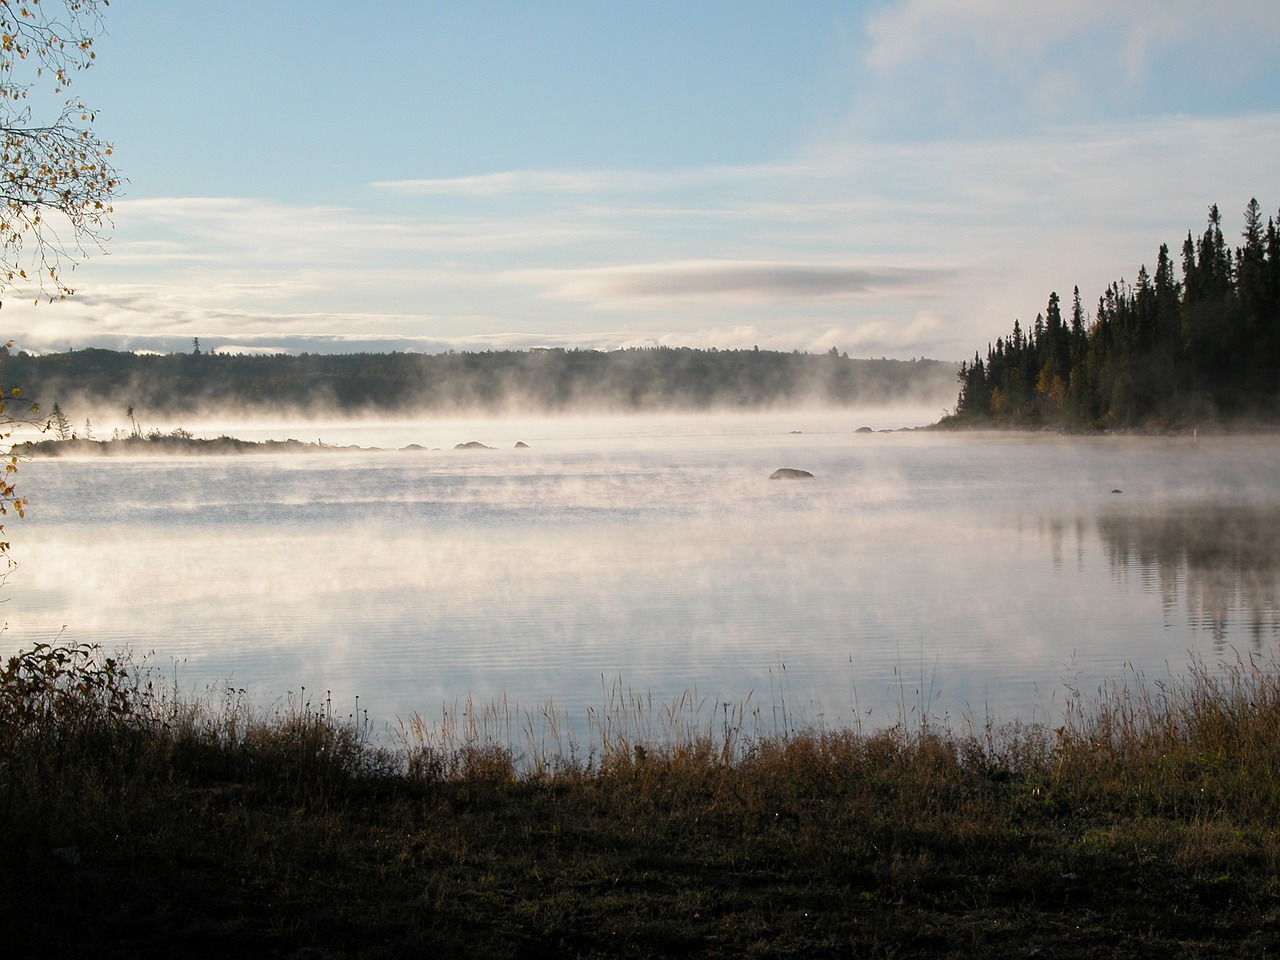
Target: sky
x,y
898,178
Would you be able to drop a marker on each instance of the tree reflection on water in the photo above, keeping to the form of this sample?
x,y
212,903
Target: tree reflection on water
x,y
1225,560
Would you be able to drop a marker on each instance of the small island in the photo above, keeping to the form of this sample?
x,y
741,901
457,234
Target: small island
x,y
176,442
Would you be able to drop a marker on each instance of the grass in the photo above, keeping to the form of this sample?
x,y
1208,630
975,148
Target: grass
x,y
141,823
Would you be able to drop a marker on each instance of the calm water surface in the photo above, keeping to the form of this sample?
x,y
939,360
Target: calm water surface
x,y
914,573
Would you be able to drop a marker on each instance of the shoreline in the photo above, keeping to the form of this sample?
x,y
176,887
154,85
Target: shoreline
x,y
178,444
146,826
1238,426
169,444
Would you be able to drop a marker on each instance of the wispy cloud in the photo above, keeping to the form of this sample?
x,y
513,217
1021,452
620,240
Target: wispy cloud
x,y
260,231
954,66
578,182
504,184
726,281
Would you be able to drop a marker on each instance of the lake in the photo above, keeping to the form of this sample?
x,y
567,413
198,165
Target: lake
x,y
915,574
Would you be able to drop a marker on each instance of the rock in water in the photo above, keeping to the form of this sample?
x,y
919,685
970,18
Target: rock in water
x,y
790,473
471,445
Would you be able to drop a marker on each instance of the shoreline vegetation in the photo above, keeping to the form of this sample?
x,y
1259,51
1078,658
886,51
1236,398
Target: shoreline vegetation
x,y
142,822
1163,353
1219,426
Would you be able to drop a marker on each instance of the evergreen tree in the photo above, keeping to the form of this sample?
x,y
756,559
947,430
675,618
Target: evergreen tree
x,y
59,422
1161,348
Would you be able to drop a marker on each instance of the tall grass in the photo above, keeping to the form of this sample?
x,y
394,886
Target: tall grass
x,y
93,745
694,825
1204,743
89,743
1196,748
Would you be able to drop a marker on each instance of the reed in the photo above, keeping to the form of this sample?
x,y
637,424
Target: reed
x,y
1204,743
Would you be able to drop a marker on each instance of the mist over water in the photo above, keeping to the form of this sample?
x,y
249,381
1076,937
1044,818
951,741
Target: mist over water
x,y
914,572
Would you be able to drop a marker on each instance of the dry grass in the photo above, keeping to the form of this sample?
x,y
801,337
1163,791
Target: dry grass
x,y
1146,824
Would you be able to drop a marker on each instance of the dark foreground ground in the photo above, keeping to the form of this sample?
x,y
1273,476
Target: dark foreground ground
x,y
134,826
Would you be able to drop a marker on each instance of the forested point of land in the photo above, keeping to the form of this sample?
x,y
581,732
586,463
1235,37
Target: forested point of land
x,y
551,381
1159,353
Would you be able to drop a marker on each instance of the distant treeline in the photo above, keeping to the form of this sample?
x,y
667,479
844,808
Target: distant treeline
x,y
1162,351
554,380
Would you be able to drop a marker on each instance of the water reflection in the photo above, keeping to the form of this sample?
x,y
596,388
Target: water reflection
x,y
1224,561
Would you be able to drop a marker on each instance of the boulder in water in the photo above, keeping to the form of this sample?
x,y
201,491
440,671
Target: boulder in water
x,y
790,473
472,445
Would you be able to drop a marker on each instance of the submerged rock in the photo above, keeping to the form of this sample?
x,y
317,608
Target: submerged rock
x,y
790,473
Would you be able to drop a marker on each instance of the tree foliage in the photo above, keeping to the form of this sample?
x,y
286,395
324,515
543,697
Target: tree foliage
x,y
1158,350
56,175
14,409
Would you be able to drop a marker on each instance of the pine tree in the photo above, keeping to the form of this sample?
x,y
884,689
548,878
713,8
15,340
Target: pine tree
x,y
1161,347
59,422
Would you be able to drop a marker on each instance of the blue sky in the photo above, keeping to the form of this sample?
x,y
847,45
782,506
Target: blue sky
x,y
890,178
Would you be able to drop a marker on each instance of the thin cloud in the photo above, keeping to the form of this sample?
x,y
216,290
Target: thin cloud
x,y
503,184
584,182
952,65
721,280
241,230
